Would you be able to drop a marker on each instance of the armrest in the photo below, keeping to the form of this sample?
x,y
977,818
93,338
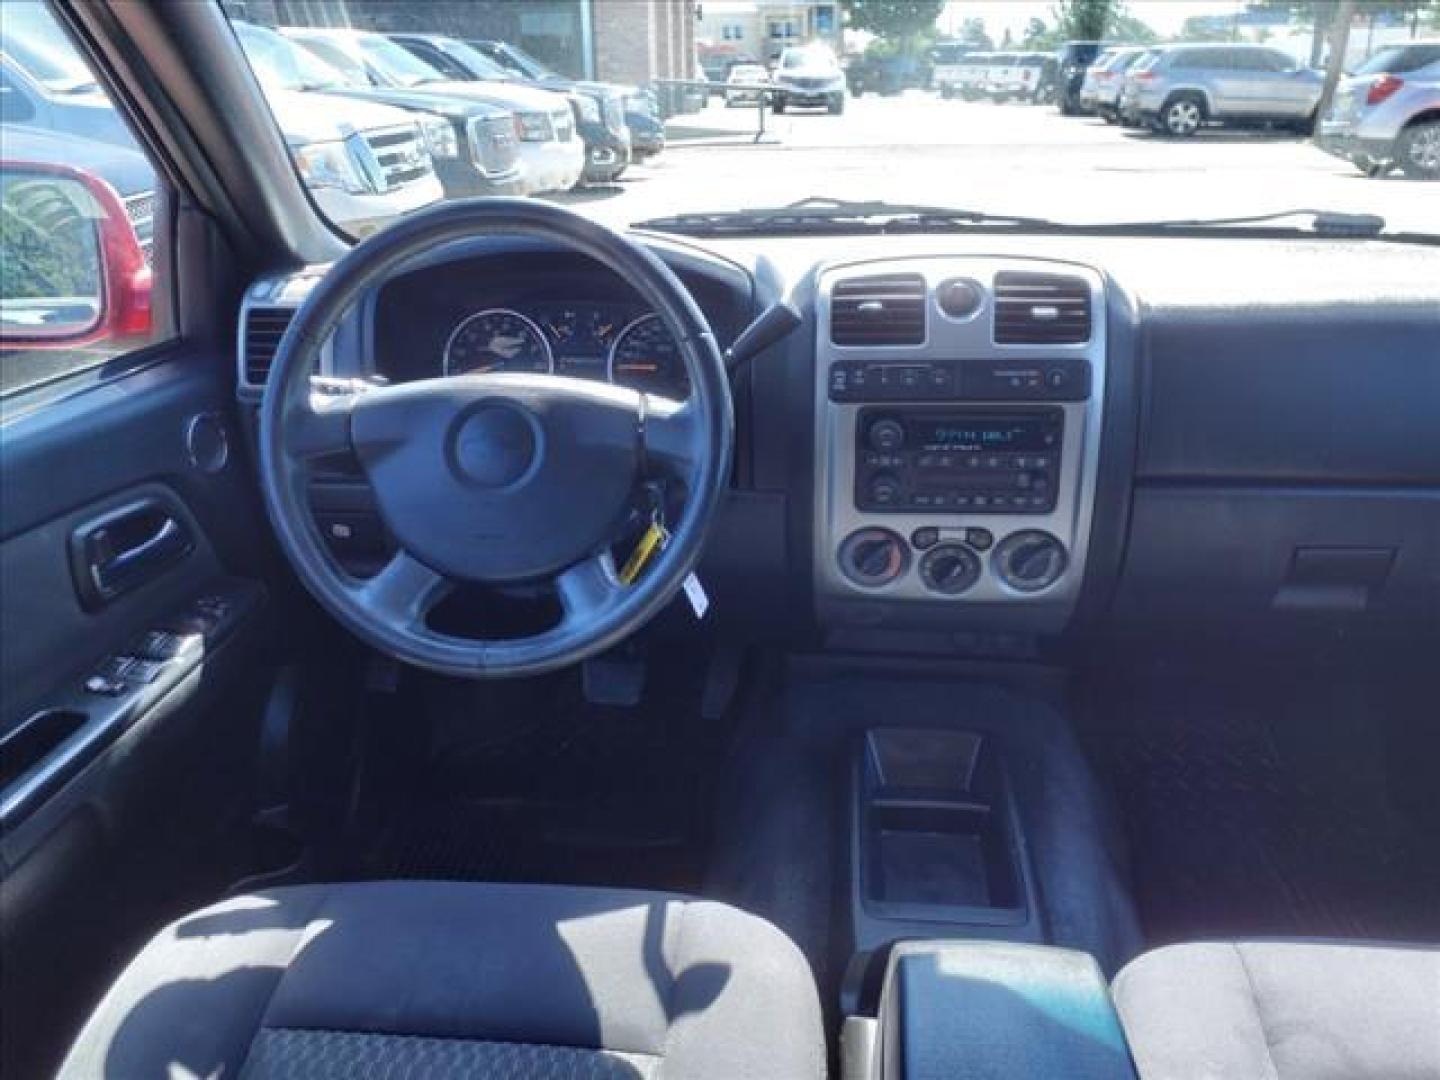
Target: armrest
x,y
983,1009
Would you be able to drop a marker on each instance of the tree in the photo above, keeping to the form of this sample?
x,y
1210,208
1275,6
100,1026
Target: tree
x,y
1339,40
1037,34
1127,27
1203,28
973,33
897,21
1085,20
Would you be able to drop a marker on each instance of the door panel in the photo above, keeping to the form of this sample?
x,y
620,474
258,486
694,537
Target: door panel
x,y
112,803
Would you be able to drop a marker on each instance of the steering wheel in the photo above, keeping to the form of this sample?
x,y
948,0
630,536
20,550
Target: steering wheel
x,y
496,478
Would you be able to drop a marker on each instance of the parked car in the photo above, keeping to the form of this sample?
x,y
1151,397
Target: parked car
x,y
44,82
124,168
552,155
1023,78
1100,92
1185,87
364,164
947,61
642,117
1074,59
997,75
599,108
473,145
968,79
1387,114
747,84
809,75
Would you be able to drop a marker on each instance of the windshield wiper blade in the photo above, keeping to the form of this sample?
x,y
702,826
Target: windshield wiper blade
x,y
1322,222
823,214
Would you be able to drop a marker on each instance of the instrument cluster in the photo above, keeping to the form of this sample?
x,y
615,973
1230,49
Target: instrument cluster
x,y
615,342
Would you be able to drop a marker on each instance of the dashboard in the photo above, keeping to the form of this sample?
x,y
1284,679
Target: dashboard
x,y
960,445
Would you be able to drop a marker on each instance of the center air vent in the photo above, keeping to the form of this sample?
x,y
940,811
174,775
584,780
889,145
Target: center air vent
x,y
885,309
1041,309
264,327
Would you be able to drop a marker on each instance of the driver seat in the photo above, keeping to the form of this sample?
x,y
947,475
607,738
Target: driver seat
x,y
433,980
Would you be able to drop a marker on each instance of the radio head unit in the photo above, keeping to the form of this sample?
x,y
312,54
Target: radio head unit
x,y
970,460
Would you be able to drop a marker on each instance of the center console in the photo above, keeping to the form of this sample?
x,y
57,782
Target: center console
x,y
958,405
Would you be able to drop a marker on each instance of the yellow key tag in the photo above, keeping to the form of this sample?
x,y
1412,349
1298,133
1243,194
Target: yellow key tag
x,y
652,540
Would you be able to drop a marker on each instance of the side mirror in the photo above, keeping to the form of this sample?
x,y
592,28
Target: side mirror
x,y
72,271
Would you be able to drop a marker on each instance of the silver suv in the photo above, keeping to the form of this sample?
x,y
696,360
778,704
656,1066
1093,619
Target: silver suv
x,y
1388,113
1182,87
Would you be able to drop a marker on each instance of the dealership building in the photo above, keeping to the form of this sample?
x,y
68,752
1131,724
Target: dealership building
x,y
627,41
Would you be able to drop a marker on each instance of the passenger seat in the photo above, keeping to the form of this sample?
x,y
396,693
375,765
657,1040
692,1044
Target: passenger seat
x,y
1283,1010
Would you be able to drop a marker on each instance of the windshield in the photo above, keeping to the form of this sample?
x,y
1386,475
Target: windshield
x,y
395,64
999,114
807,58
480,65
1400,60
37,45
279,64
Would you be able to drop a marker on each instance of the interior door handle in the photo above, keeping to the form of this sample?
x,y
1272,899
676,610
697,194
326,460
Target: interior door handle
x,y
125,548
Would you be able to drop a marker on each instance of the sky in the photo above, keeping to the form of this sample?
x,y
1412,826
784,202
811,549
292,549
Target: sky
x,y
1164,16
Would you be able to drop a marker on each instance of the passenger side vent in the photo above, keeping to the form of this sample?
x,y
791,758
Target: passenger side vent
x,y
1041,309
884,309
264,327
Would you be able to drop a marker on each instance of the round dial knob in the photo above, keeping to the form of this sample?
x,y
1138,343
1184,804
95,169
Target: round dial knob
x,y
884,489
886,436
873,557
958,298
949,569
1030,561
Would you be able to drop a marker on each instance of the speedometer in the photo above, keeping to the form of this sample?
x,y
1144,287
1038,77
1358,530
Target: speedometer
x,y
497,339
645,357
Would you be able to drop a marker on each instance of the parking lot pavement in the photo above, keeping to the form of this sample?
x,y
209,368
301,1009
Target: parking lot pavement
x,y
1011,158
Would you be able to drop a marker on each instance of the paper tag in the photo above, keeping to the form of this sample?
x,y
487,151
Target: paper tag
x,y
695,593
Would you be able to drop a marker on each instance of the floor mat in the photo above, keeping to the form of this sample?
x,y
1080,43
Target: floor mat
x,y
1257,803
529,782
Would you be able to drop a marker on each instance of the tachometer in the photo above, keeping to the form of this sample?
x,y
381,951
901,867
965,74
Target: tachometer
x,y
497,339
645,357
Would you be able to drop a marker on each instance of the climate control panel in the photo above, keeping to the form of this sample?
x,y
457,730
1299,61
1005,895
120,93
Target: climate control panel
x,y
946,562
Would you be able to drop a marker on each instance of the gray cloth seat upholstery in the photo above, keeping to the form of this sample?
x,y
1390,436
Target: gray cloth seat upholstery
x,y
431,980
1283,1010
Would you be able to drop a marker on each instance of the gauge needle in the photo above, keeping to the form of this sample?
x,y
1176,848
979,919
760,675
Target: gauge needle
x,y
506,345
639,365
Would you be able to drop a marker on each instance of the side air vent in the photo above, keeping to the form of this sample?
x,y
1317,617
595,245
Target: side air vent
x,y
264,327
884,309
1041,309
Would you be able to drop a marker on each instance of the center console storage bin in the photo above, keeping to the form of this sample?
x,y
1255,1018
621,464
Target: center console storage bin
x,y
936,838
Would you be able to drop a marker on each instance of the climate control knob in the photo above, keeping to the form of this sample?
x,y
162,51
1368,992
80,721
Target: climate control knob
x,y
873,557
1029,561
949,569
886,436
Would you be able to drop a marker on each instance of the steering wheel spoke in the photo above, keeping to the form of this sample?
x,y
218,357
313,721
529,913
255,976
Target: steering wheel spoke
x,y
588,588
404,592
320,426
672,436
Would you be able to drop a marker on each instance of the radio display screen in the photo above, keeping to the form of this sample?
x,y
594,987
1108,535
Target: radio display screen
x,y
977,433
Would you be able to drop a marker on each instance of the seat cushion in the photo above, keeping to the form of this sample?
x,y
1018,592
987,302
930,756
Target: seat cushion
x,y
1282,1010
430,980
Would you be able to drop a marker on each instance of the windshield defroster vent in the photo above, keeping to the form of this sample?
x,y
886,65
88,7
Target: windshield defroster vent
x,y
264,327
883,309
1041,309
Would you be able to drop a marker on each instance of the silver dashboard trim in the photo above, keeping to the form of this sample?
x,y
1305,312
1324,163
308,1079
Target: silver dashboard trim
x,y
835,514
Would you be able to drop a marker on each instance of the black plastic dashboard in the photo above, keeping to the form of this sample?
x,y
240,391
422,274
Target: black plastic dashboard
x,y
1266,431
